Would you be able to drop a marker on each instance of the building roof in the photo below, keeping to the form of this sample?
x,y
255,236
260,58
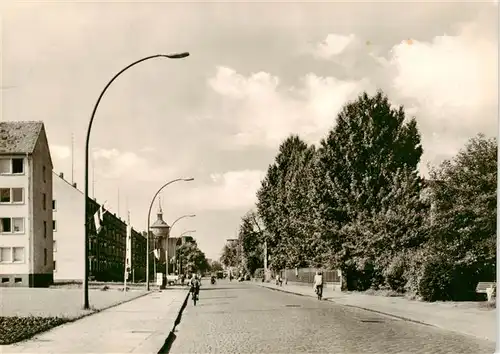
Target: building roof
x,y
19,137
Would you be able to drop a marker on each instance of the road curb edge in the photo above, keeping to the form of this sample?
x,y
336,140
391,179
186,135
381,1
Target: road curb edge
x,y
171,335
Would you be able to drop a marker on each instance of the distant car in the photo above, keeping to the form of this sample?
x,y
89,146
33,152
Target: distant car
x,y
247,277
220,275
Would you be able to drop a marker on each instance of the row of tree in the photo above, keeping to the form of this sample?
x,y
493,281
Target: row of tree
x,y
357,203
191,259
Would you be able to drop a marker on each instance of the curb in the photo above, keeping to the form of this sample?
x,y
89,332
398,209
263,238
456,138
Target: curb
x,y
359,307
171,335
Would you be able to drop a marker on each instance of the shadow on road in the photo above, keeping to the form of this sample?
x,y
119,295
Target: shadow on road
x,y
168,343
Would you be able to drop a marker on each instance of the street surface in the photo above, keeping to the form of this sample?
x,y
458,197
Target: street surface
x,y
243,318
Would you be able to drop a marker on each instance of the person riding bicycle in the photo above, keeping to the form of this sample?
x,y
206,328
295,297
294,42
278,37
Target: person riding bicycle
x,y
318,282
195,285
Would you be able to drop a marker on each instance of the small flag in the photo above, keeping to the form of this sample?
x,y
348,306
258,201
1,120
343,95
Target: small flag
x,y
157,253
98,217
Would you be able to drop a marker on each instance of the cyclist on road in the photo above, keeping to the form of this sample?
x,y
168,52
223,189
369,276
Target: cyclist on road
x,y
318,282
195,286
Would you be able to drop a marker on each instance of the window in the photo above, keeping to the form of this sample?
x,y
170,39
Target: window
x,y
5,254
11,195
54,225
18,280
45,229
44,201
44,256
6,225
17,166
54,246
5,166
5,280
4,195
12,225
54,265
18,254
18,225
44,173
11,166
17,195
53,205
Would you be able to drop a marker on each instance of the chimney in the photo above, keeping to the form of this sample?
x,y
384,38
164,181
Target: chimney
x,y
74,184
61,175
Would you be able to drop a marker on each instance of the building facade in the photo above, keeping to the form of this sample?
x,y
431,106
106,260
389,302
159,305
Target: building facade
x,y
108,258
25,205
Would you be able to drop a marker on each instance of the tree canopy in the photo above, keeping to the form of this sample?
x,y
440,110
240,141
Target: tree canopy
x,y
357,202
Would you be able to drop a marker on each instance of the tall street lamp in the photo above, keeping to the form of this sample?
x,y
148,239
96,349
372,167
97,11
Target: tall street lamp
x,y
87,207
186,232
180,218
175,247
149,217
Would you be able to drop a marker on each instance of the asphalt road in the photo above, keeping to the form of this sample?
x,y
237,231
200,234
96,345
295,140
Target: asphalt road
x,y
244,318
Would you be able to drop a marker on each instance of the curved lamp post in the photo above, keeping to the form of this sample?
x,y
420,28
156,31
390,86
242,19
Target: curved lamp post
x,y
87,211
149,217
180,218
187,232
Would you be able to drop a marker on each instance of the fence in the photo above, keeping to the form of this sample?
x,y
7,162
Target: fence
x,y
306,275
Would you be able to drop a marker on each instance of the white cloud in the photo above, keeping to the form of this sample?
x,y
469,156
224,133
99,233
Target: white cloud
x,y
115,164
451,72
229,190
60,152
148,149
452,81
264,113
333,45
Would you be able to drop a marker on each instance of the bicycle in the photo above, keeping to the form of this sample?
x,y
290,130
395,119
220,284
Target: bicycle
x,y
194,296
319,292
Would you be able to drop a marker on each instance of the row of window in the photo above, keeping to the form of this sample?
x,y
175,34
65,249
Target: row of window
x,y
17,255
16,226
12,166
16,196
15,166
12,254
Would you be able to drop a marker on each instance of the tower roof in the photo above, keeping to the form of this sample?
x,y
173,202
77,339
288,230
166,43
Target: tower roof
x,y
160,223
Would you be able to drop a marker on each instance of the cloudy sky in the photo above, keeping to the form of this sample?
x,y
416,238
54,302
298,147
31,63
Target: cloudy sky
x,y
257,72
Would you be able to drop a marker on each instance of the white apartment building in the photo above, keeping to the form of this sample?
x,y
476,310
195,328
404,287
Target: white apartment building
x,y
25,205
68,210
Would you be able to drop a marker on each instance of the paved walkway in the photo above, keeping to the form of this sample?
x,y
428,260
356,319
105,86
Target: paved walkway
x,y
139,326
464,318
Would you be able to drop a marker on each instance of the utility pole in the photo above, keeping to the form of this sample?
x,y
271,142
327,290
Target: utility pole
x,y
118,211
72,158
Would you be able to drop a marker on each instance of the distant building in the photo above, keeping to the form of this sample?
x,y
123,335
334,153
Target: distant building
x,y
107,250
25,205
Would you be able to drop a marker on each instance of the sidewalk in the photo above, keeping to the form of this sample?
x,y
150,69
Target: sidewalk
x,y
139,326
465,318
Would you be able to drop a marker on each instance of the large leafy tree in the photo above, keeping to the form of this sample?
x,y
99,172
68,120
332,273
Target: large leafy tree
x,y
251,238
216,266
305,240
464,198
372,151
230,256
272,204
192,258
